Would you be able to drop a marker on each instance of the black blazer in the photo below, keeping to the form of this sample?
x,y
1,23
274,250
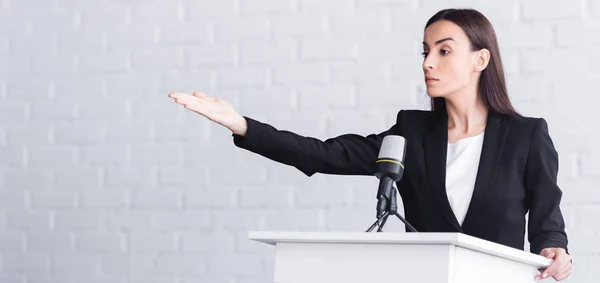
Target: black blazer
x,y
517,173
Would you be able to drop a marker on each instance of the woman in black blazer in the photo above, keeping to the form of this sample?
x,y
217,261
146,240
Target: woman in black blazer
x,y
515,163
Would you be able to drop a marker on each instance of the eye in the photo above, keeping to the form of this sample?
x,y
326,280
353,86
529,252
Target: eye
x,y
424,54
445,52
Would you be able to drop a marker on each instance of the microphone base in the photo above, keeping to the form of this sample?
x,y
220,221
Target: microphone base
x,y
389,208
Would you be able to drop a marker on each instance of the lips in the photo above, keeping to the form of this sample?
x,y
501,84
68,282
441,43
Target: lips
x,y
429,79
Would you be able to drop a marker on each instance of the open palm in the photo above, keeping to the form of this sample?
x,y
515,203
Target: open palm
x,y
215,109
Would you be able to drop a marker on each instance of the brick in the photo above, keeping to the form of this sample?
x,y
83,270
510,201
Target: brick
x,y
11,112
78,220
522,36
104,154
332,96
44,63
321,196
575,35
76,133
96,109
103,62
157,59
156,199
149,154
296,219
213,54
186,177
304,73
298,24
74,263
192,220
545,61
366,22
12,242
383,3
99,242
134,265
151,242
12,157
595,8
265,197
71,179
130,220
105,199
266,7
52,110
51,157
239,29
129,132
201,10
209,198
551,10
132,85
208,242
17,134
16,64
73,41
186,82
180,265
28,222
31,89
53,200
325,48
156,12
25,263
268,53
235,264
184,33
244,77
178,132
130,177
49,243
95,17
328,8
28,179
127,38
69,86
346,72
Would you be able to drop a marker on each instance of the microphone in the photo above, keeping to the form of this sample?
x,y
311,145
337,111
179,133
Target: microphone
x,y
390,167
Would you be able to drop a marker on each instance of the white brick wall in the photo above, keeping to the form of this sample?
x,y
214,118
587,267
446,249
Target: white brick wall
x,y
105,179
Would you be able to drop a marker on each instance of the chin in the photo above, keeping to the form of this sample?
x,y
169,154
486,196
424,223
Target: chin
x,y
433,93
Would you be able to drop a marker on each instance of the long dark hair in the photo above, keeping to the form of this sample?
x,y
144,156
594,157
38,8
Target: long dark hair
x,y
492,84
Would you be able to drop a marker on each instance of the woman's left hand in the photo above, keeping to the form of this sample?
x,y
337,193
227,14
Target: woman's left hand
x,y
560,267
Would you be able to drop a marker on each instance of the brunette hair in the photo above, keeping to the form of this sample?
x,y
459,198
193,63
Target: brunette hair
x,y
481,34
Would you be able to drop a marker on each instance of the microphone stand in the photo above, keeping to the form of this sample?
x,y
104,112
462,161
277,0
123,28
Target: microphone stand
x,y
388,204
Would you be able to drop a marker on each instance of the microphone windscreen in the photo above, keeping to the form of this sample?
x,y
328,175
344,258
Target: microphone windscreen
x,y
392,147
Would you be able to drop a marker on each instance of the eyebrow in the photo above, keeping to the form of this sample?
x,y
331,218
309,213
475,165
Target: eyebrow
x,y
440,41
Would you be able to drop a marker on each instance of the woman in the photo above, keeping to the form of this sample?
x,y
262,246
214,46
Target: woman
x,y
473,164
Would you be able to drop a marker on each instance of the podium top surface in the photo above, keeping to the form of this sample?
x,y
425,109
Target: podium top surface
x,y
420,238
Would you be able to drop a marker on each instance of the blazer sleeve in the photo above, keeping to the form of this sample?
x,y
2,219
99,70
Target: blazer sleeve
x,y
546,227
348,154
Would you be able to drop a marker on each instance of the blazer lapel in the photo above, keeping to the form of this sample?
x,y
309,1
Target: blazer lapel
x,y
436,145
491,153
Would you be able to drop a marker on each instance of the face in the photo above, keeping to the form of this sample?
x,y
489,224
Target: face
x,y
449,64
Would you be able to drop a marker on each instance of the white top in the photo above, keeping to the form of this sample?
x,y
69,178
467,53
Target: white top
x,y
462,162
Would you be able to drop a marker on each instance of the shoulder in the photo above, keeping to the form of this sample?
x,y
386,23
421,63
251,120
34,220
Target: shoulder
x,y
527,124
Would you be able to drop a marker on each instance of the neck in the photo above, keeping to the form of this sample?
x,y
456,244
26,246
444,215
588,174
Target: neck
x,y
466,111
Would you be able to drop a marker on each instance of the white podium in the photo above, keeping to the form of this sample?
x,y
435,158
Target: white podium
x,y
310,257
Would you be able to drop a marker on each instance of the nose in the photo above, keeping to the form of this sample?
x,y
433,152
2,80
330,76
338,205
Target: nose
x,y
428,62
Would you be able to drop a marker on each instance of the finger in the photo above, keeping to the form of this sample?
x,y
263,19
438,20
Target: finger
x,y
187,99
563,268
563,275
199,94
547,253
551,270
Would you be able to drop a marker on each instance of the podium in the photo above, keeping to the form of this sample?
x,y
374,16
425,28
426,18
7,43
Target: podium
x,y
353,257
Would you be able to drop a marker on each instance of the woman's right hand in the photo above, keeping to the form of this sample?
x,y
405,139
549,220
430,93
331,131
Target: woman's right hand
x,y
215,109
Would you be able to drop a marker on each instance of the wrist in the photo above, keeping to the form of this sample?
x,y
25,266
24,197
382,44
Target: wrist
x,y
240,127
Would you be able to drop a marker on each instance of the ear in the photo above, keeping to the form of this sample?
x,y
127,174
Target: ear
x,y
482,59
